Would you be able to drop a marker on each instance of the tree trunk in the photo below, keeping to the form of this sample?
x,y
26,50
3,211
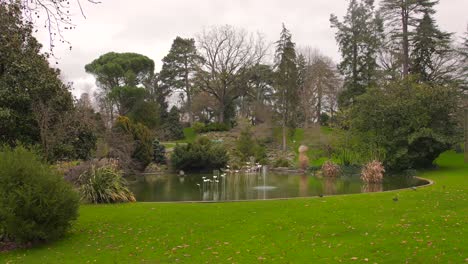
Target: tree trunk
x,y
188,92
404,21
189,108
306,118
284,136
466,135
221,114
319,101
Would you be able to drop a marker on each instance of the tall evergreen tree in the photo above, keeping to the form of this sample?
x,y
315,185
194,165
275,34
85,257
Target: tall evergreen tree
x,y
401,15
158,95
359,37
178,70
428,42
464,70
286,81
464,59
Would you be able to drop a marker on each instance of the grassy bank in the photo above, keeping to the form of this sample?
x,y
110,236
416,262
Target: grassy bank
x,y
428,225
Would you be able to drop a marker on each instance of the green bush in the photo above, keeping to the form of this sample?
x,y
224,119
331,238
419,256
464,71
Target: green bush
x,y
143,152
36,204
412,122
281,163
104,185
198,127
247,146
159,152
201,155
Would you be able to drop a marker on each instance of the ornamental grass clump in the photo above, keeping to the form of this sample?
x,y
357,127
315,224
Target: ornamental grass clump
x,y
104,185
331,170
373,172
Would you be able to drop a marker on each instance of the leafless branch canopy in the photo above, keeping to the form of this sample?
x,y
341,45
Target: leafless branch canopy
x,y
228,53
54,15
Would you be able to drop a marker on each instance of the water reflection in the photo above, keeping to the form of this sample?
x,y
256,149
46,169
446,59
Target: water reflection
x,y
372,187
254,186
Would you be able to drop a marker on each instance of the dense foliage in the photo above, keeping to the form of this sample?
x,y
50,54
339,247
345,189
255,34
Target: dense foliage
x,y
172,128
36,107
179,68
247,146
413,123
36,204
159,152
200,155
359,37
142,136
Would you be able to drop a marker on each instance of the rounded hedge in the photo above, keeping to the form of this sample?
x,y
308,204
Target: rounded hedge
x,y
36,204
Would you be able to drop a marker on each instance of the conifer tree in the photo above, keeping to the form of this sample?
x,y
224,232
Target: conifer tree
x,y
286,81
178,70
401,15
428,42
359,37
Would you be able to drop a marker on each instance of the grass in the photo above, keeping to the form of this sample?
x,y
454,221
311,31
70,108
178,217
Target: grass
x,y
189,137
425,226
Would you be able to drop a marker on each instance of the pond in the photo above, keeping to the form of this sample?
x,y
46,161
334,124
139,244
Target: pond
x,y
255,186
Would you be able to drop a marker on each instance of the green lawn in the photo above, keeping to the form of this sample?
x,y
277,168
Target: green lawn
x,y
428,225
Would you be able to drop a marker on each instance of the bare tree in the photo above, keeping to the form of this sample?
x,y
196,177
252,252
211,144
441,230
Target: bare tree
x,y
55,15
228,54
321,87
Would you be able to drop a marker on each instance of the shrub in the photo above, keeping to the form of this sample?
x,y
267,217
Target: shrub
x,y
413,122
36,204
373,172
200,155
281,163
324,119
104,185
143,152
330,170
198,127
172,128
247,146
159,152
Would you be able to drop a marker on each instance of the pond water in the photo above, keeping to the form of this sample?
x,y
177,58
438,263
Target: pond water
x,y
258,186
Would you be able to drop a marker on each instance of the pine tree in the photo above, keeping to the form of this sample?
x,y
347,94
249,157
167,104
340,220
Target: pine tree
x,y
302,83
178,70
464,54
173,128
158,95
401,15
286,81
428,41
359,38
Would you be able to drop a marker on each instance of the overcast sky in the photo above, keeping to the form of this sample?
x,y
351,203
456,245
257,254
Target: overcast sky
x,y
148,27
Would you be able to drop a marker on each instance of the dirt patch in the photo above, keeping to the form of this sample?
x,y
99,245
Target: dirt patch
x,y
9,246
